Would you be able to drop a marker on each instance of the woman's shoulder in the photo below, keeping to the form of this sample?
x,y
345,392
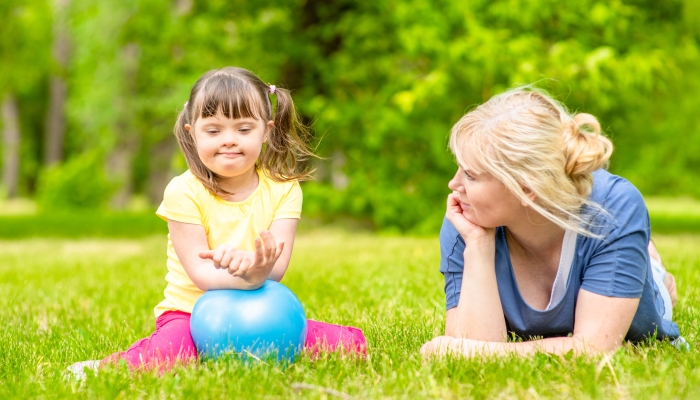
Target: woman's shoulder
x,y
622,202
614,192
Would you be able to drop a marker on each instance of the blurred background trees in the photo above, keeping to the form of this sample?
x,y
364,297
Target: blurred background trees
x,y
90,90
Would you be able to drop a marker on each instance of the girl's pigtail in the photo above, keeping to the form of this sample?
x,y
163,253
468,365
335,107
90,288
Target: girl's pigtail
x,y
287,147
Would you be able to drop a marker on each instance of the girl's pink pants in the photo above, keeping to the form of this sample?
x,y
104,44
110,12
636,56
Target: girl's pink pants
x,y
171,342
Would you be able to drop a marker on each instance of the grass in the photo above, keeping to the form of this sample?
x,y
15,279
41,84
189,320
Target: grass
x,y
672,215
70,299
88,224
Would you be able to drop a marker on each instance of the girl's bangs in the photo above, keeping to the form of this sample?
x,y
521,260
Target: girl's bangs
x,y
232,97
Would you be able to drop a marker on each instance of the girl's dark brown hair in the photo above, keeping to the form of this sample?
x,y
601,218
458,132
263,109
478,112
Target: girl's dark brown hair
x,y
238,93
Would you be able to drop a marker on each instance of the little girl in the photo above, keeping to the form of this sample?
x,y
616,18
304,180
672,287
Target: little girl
x,y
233,215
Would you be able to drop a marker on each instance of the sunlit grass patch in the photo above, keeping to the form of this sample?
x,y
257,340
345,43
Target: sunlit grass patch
x,y
66,300
674,214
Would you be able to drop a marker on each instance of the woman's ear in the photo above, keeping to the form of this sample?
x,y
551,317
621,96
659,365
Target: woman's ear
x,y
188,127
529,194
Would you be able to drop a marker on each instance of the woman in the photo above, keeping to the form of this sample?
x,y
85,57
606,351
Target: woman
x,y
540,242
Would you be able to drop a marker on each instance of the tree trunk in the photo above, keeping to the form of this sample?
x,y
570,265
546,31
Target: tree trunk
x,y
118,168
119,161
160,171
55,118
10,144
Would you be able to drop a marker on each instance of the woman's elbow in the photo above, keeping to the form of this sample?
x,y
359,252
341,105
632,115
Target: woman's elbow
x,y
596,345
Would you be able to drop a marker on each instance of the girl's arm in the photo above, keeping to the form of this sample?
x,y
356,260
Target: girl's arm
x,y
284,231
189,241
601,325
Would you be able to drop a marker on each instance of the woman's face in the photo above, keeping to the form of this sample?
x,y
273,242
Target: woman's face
x,y
485,201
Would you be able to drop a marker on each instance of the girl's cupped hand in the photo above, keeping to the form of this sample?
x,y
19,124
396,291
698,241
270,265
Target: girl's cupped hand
x,y
246,264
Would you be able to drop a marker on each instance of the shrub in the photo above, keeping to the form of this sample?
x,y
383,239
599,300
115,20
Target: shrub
x,y
80,183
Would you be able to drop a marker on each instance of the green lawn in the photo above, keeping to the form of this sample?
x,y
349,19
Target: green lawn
x,y
64,300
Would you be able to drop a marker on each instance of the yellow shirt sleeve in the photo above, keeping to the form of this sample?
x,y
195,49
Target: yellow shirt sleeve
x,y
290,203
180,201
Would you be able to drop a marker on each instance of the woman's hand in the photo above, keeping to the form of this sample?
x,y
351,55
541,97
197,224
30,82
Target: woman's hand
x,y
442,346
439,346
247,264
456,215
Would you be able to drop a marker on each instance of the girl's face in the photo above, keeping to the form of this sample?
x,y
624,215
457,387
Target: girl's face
x,y
229,147
486,201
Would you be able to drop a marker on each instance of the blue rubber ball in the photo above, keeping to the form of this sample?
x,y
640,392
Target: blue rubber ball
x,y
266,322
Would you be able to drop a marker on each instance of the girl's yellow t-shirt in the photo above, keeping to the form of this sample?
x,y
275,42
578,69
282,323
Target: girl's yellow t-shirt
x,y
234,223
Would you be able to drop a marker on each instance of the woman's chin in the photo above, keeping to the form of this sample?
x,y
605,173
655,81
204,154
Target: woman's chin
x,y
478,222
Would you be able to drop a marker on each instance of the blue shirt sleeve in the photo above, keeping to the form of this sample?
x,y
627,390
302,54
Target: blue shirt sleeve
x,y
451,262
620,261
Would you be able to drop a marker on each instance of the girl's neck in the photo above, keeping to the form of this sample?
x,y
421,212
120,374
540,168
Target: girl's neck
x,y
241,186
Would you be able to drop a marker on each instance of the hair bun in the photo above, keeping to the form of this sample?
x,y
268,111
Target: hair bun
x,y
586,150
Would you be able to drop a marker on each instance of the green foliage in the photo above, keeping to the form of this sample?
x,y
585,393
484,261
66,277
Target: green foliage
x,y
391,87
84,299
78,184
381,82
84,224
25,37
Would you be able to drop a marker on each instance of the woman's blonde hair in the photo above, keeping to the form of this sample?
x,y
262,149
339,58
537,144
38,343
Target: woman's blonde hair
x,y
526,139
238,93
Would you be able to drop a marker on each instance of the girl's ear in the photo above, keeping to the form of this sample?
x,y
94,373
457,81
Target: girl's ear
x,y
529,194
189,130
270,126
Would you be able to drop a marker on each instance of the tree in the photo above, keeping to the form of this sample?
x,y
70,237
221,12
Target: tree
x,y
55,117
10,142
23,63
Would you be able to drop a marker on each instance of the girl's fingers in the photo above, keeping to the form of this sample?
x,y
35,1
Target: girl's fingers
x,y
267,248
270,246
218,256
259,255
279,251
243,267
227,258
233,268
235,265
206,255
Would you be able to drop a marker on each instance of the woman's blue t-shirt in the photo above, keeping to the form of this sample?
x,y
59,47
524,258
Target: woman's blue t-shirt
x,y
616,265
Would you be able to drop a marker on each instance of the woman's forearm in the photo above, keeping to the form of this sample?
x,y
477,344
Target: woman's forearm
x,y
479,314
556,346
